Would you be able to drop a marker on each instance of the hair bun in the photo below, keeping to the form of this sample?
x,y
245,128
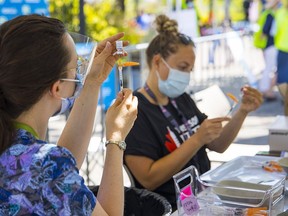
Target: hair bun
x,y
164,25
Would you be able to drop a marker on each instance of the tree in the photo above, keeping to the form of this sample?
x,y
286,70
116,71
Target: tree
x,y
82,17
121,4
67,11
103,19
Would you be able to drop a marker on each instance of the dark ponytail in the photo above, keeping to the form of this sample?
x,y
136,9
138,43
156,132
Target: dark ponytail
x,y
6,126
6,130
32,57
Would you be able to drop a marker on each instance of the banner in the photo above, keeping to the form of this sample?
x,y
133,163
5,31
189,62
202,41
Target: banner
x,y
10,9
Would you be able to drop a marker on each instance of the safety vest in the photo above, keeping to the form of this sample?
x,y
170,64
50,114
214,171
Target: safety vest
x,y
281,36
259,38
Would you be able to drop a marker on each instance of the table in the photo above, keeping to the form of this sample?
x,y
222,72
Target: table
x,y
259,174
281,203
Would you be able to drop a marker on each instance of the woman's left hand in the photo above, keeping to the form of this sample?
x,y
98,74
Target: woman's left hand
x,y
104,59
251,100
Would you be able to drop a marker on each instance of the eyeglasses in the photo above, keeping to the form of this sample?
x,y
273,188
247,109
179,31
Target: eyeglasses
x,y
79,84
185,39
78,79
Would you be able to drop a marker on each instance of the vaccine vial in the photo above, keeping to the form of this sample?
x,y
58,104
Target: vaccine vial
x,y
119,48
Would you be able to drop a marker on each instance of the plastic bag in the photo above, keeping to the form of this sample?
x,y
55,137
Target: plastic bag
x,y
186,189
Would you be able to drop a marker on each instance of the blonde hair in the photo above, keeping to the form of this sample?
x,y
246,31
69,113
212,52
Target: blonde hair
x,y
168,39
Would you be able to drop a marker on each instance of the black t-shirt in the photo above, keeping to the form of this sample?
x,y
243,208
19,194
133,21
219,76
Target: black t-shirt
x,y
153,136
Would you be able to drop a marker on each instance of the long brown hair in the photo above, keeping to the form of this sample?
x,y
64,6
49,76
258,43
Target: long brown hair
x,y
167,40
32,58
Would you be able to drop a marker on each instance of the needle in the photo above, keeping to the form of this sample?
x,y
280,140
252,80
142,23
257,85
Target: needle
x,y
235,102
231,109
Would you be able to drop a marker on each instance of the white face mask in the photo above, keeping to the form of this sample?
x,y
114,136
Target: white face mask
x,y
176,82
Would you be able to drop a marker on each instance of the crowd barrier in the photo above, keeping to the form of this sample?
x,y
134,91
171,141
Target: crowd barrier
x,y
221,59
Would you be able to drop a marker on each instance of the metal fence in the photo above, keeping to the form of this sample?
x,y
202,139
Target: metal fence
x,y
220,59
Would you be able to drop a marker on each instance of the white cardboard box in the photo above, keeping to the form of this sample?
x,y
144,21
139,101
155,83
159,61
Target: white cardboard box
x,y
278,134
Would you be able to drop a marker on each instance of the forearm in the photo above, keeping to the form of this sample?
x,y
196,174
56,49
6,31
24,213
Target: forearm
x,y
78,129
111,188
164,169
229,133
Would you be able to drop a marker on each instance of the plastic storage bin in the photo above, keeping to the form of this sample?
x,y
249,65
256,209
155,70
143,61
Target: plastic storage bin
x,y
227,196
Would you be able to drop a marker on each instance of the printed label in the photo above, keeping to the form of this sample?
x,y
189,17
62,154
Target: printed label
x,y
188,201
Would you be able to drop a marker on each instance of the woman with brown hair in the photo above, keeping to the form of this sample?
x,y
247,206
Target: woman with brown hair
x,y
39,77
170,132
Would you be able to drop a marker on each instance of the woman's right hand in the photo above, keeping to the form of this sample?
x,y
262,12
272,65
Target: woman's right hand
x,y
210,129
121,115
104,59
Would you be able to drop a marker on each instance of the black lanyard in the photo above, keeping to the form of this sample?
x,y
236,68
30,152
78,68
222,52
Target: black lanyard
x,y
167,114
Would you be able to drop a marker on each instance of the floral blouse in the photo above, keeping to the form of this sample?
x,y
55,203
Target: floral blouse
x,y
37,178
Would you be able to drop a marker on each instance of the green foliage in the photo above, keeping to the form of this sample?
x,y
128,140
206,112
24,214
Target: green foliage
x,y
67,11
99,20
103,19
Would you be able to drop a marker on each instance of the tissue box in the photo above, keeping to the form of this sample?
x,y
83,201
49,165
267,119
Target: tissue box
x,y
278,134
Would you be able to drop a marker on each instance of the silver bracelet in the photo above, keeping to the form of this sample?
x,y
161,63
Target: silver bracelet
x,y
120,144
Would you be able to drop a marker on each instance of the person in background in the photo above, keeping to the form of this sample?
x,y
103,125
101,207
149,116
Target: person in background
x,y
281,43
170,132
143,20
265,40
246,8
38,79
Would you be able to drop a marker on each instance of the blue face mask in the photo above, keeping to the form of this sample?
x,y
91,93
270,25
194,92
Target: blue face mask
x,y
175,84
67,103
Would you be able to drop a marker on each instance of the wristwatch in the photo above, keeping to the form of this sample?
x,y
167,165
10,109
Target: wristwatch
x,y
120,144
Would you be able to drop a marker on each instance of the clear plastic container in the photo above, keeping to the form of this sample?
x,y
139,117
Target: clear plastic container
x,y
227,197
